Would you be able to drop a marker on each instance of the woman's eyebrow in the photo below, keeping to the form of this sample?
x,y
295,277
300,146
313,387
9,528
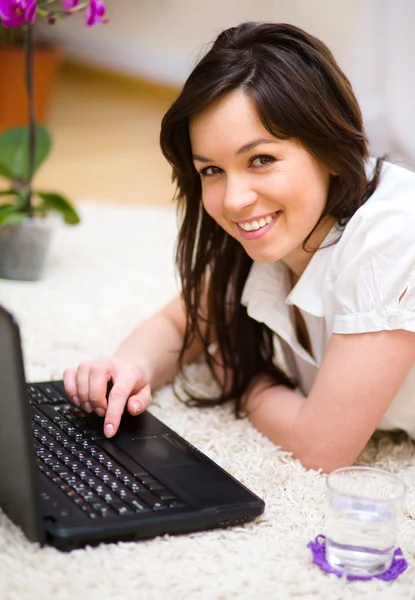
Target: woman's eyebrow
x,y
250,145
245,148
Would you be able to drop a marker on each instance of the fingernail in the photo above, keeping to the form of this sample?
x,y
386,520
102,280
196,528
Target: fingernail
x,y
88,407
76,400
136,408
109,430
100,412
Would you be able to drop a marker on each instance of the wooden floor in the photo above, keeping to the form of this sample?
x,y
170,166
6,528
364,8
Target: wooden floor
x,y
106,139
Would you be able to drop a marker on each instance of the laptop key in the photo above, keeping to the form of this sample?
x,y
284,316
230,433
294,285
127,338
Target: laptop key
x,y
108,497
74,465
127,478
114,485
128,498
139,506
57,480
135,486
105,477
118,505
88,496
66,457
105,511
176,504
44,453
67,476
165,494
147,479
154,486
87,509
79,487
125,510
38,417
151,499
37,396
80,455
73,447
94,483
52,396
45,470
64,474
65,487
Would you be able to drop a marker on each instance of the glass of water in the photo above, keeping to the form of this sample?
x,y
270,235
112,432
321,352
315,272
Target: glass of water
x,y
365,505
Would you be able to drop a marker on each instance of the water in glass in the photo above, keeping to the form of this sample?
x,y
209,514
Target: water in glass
x,y
360,540
361,530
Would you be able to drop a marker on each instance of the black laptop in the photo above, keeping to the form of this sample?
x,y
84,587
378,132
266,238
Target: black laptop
x,y
66,485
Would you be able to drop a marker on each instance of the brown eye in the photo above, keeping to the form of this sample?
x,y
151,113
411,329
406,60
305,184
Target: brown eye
x,y
262,160
209,171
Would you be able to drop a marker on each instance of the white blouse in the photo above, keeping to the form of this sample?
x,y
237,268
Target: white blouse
x,y
364,282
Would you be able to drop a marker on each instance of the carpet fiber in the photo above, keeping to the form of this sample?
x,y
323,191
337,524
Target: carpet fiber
x,y
103,277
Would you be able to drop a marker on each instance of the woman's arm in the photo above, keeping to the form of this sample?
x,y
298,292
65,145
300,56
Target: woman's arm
x,y
160,339
357,381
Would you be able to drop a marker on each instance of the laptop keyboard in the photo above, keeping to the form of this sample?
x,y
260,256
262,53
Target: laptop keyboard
x,y
69,454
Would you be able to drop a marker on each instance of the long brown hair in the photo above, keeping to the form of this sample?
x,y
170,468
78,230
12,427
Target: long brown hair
x,y
300,93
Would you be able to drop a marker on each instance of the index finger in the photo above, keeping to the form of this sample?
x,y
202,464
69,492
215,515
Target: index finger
x,y
99,382
117,399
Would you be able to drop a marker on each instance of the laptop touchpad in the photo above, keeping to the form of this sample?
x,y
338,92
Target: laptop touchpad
x,y
165,450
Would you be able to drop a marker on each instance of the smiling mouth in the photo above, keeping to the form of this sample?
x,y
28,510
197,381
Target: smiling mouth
x,y
256,224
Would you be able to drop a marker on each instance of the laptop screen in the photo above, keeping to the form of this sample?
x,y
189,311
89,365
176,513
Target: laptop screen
x,y
18,497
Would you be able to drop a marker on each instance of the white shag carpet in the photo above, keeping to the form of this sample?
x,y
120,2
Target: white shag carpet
x,y
103,277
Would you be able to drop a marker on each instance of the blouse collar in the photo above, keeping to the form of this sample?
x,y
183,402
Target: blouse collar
x,y
268,298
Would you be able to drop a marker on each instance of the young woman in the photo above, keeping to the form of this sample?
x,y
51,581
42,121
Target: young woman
x,y
296,255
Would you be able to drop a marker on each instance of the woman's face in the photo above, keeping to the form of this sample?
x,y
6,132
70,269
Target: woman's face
x,y
265,192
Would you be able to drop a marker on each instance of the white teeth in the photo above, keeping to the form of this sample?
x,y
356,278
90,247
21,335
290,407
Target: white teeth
x,y
254,225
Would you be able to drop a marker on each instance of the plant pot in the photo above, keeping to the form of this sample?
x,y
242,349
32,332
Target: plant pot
x,y
14,110
24,248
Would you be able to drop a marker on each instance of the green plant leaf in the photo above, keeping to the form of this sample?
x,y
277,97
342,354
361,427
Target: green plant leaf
x,y
18,199
14,151
14,218
10,192
52,201
5,172
7,208
11,214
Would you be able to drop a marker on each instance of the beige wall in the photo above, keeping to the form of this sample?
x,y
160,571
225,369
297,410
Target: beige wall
x,y
162,39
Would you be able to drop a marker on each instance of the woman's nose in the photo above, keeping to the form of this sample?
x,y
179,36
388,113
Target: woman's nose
x,y
238,195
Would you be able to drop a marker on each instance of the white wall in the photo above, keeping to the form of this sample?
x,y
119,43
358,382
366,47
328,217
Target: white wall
x,y
162,39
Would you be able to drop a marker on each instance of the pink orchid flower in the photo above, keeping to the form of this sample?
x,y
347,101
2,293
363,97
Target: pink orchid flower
x,y
14,13
94,13
69,4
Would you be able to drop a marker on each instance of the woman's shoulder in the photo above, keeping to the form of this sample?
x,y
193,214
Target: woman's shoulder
x,y
372,266
383,229
389,211
396,184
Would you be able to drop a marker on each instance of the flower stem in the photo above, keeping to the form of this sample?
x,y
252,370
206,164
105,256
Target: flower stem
x,y
32,117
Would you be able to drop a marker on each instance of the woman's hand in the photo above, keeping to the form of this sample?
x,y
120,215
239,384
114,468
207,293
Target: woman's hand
x,y
87,387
